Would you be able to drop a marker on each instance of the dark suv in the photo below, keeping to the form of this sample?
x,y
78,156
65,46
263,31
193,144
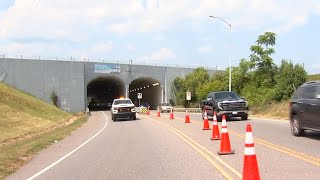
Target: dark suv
x,y
305,108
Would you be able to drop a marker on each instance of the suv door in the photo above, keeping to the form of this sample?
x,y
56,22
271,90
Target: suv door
x,y
315,121
308,104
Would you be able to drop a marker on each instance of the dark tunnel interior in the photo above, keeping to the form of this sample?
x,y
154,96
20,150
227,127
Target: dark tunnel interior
x,y
151,90
102,91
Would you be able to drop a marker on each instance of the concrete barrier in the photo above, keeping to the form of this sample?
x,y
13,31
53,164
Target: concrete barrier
x,y
190,110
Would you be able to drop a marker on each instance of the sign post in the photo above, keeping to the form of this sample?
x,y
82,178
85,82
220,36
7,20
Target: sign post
x,y
188,97
139,97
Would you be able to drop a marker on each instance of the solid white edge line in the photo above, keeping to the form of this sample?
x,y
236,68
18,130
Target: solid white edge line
x,y
61,159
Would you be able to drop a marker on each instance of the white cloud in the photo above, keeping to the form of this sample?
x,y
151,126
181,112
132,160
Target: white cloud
x,y
315,66
102,47
131,47
272,14
162,54
205,49
51,18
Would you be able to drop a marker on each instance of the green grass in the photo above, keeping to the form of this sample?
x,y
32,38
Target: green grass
x,y
22,114
15,155
28,125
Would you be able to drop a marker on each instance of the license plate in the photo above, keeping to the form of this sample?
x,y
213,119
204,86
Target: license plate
x,y
234,112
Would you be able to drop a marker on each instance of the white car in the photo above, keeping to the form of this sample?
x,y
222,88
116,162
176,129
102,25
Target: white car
x,y
123,108
165,107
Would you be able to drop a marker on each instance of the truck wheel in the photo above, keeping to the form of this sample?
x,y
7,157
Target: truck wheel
x,y
219,118
244,117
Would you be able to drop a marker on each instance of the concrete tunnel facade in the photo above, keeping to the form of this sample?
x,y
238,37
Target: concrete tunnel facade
x,y
74,81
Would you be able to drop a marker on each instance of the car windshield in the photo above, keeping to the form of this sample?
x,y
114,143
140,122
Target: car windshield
x,y
166,104
226,95
125,101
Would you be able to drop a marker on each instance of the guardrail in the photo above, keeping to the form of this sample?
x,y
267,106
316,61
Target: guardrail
x,y
190,110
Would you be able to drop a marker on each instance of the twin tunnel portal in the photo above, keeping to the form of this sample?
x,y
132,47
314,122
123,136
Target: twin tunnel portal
x,y
103,90
80,84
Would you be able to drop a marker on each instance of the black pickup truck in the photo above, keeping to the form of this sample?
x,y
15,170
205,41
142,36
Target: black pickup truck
x,y
225,103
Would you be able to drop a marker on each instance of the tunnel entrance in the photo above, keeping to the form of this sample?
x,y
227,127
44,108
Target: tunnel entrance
x,y
151,89
102,91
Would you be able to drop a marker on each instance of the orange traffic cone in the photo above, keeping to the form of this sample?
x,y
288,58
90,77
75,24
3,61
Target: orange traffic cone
x,y
187,119
205,122
225,147
215,128
158,114
148,112
250,164
171,114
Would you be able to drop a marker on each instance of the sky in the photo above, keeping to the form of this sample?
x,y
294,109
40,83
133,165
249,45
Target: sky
x,y
160,32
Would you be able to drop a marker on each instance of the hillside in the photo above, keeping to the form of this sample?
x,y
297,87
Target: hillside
x,y
313,77
22,114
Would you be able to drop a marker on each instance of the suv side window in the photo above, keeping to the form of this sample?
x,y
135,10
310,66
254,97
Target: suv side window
x,y
297,94
309,92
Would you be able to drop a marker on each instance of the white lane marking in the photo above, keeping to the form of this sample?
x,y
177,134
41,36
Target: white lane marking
x,y
61,159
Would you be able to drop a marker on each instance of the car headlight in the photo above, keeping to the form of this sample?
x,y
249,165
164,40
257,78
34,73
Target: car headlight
x,y
219,105
246,103
133,109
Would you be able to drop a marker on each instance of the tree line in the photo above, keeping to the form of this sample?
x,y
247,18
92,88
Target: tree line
x,y
257,78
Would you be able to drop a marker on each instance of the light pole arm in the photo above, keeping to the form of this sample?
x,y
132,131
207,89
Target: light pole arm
x,y
221,20
215,17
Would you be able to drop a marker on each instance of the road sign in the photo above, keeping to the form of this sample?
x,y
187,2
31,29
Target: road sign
x,y
188,96
139,95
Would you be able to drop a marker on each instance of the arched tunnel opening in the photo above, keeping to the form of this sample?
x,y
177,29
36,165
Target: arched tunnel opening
x,y
102,91
151,89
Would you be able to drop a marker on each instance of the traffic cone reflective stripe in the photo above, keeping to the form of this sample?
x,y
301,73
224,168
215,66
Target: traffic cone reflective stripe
x,y
171,114
205,122
158,114
215,128
187,119
225,147
250,164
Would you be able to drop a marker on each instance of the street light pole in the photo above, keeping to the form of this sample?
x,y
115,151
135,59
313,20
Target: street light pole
x,y
229,47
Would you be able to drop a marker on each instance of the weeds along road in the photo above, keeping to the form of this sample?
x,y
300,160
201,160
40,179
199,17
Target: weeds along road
x,y
159,148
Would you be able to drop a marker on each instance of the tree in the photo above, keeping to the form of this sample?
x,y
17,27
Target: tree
x,y
261,60
195,81
288,78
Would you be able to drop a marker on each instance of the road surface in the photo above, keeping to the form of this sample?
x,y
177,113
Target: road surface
x,y
159,148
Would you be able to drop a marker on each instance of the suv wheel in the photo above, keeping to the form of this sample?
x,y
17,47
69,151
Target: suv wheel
x,y
244,117
295,126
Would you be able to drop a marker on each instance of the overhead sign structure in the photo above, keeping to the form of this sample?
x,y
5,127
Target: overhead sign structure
x,y
188,96
106,68
139,95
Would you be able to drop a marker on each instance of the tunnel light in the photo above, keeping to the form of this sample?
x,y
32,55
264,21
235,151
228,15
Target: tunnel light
x,y
155,84
147,86
144,87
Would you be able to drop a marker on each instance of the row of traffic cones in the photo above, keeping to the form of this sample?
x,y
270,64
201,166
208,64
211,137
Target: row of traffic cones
x,y
250,164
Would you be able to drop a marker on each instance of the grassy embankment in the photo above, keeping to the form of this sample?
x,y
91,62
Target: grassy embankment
x,y
28,125
277,110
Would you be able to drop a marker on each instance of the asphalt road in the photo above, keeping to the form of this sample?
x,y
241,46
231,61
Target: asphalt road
x,y
159,148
